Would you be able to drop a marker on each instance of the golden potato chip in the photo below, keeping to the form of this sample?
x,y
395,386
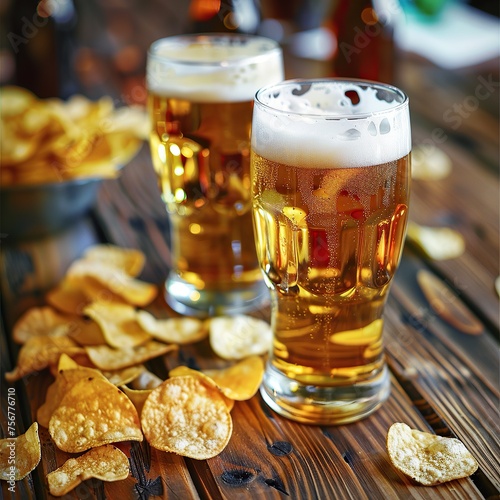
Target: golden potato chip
x,y
185,330
125,375
15,100
95,291
438,243
92,413
240,336
66,363
129,260
106,462
183,371
137,396
86,332
240,381
145,380
108,358
134,291
68,297
118,324
427,458
185,416
40,321
20,455
40,352
64,381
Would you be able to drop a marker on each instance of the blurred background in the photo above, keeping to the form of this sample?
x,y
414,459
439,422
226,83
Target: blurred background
x,y
99,47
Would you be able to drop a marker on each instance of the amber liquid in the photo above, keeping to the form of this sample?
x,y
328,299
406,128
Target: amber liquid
x,y
329,242
200,152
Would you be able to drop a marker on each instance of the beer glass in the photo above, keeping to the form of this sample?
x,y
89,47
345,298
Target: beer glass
x,y
330,163
200,91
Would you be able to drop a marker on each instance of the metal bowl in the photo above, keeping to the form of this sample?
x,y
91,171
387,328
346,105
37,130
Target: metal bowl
x,y
34,211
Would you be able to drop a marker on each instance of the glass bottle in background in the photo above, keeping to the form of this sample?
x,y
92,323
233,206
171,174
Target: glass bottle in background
x,y
225,16
364,30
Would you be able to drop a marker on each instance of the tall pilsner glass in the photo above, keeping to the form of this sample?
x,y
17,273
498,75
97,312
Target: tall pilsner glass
x,y
330,176
201,90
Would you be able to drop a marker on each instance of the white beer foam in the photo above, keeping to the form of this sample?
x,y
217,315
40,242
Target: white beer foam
x,y
231,70
321,127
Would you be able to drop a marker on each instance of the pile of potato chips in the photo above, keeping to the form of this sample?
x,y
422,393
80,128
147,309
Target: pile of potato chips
x,y
51,140
94,336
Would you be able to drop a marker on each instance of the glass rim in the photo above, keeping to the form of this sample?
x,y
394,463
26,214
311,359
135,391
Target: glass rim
x,y
398,107
274,47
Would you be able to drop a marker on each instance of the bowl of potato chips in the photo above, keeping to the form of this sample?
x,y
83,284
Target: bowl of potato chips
x,y
54,155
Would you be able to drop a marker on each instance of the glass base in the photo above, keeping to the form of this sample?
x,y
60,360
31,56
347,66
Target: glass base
x,y
186,299
324,405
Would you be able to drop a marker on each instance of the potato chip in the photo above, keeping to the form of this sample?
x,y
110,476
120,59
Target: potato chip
x,y
185,330
185,416
40,321
68,297
183,371
65,380
438,243
40,352
146,380
20,455
137,396
134,291
108,358
240,381
427,458
86,332
118,324
240,336
92,413
125,375
129,260
107,463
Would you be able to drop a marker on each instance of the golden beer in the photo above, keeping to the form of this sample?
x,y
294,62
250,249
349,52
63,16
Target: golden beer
x,y
330,228
200,102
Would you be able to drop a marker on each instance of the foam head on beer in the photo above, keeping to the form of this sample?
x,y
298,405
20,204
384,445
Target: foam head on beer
x,y
331,118
213,69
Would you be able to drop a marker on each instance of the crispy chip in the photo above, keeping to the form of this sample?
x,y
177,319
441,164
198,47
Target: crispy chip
x,y
240,381
185,330
183,371
40,352
92,413
20,455
41,321
107,463
108,358
65,380
86,332
237,337
118,323
185,416
137,396
129,260
68,297
438,243
125,375
146,380
134,291
427,458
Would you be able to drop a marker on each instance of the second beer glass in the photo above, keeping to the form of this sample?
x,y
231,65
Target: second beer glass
x,y
201,90
330,173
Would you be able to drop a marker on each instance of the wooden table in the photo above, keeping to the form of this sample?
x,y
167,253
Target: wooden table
x,y
443,380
